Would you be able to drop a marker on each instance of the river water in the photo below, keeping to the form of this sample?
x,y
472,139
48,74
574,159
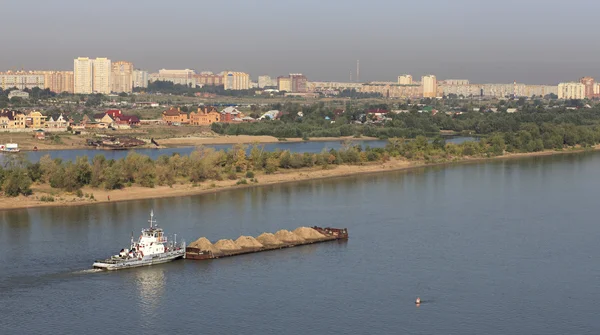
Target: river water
x,y
311,147
502,247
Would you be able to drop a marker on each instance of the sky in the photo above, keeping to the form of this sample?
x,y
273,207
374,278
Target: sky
x,y
530,41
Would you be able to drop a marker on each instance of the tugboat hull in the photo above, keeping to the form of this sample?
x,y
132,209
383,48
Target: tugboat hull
x,y
121,264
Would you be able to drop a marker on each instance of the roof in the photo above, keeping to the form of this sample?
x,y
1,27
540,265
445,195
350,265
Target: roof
x,y
113,112
129,118
378,110
230,110
99,116
173,112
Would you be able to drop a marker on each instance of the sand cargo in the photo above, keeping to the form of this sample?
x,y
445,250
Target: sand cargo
x,y
203,249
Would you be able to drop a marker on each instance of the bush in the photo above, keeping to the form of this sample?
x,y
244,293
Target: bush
x,y
242,181
79,193
249,174
47,198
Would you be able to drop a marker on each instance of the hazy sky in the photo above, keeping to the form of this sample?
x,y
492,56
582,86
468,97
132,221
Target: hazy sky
x,y
531,41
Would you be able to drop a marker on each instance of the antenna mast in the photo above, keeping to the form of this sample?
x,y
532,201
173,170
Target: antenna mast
x,y
152,221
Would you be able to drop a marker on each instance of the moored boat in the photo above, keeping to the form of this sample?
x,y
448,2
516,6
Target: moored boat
x,y
151,248
9,147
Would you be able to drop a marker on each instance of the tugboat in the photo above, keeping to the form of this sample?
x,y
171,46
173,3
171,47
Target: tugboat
x,y
151,248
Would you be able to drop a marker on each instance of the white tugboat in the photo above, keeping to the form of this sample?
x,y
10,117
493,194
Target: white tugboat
x,y
151,248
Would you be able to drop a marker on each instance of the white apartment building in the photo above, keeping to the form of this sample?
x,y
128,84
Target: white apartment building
x,y
405,79
21,80
571,91
140,78
181,77
456,82
429,84
92,75
236,80
82,76
101,74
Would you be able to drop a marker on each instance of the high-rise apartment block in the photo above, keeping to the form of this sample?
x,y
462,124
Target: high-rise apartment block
x,y
58,81
571,91
405,79
298,81
101,74
236,80
92,75
140,78
588,82
122,77
284,84
429,84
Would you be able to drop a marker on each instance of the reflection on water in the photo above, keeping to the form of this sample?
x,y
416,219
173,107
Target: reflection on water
x,y
150,282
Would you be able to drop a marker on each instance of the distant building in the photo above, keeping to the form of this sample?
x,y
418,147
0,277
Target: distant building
x,y
58,81
315,86
588,82
18,94
236,80
392,89
571,91
92,75
140,78
208,79
453,82
429,84
122,77
266,81
181,77
405,79
21,80
298,82
284,84
231,114
101,70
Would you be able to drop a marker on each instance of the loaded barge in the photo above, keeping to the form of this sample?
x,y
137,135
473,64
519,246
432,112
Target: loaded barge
x,y
202,249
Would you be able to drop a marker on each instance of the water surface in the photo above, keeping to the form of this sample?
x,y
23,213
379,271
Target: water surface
x,y
502,247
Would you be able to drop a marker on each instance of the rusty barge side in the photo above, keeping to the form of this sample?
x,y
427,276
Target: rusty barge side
x,y
331,234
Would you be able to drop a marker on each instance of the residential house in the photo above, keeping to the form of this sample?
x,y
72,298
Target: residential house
x,y
174,115
57,122
35,119
205,116
104,118
231,114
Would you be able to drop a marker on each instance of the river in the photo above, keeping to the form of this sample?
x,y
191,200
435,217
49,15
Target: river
x,y
309,146
499,247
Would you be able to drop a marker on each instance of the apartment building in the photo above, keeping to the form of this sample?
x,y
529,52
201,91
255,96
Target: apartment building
x,y
181,77
236,80
571,91
21,80
298,82
58,81
430,85
140,78
405,79
208,79
122,77
284,84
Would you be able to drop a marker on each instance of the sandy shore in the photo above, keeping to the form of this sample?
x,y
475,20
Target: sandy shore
x,y
244,139
282,176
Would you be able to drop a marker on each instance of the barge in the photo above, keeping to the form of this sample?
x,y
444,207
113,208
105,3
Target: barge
x,y
210,251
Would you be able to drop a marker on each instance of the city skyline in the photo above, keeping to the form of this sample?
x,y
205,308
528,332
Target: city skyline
x,y
492,42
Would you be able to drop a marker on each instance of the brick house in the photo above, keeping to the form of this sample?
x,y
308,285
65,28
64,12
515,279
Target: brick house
x,y
205,116
175,115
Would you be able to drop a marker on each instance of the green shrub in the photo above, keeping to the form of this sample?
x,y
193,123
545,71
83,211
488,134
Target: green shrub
x,y
249,174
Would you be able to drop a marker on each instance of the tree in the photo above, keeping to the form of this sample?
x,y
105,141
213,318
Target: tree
x,y
17,182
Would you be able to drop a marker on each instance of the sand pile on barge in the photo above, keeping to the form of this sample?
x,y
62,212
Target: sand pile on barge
x,y
268,239
227,245
308,234
204,244
288,237
247,242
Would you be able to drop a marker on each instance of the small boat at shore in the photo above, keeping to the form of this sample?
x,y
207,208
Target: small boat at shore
x,y
151,248
10,148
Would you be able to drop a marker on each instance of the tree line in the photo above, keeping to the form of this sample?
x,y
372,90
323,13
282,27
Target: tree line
x,y
17,174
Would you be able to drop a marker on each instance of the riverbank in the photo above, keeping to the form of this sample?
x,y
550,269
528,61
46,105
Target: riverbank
x,y
212,186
